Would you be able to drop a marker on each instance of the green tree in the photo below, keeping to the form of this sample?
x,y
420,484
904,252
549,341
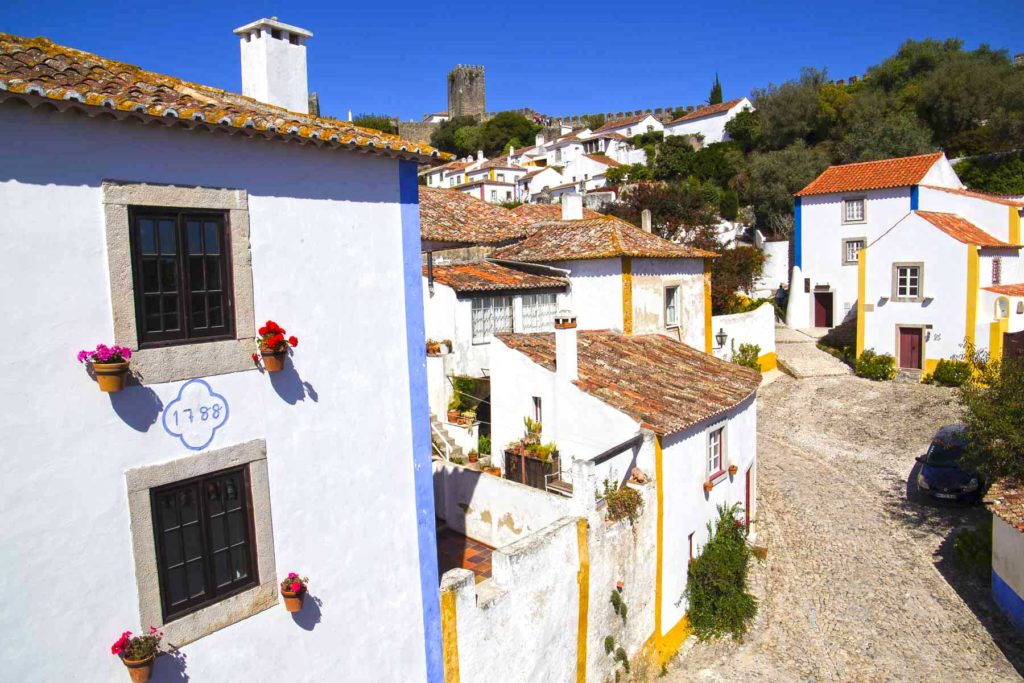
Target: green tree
x,y
468,140
993,408
875,132
678,210
718,163
594,121
496,132
381,122
673,158
444,136
773,178
999,173
716,92
745,130
793,111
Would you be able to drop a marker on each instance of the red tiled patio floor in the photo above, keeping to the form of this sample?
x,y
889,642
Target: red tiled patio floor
x,y
455,550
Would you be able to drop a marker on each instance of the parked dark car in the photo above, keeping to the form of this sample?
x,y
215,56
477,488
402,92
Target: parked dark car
x,y
941,476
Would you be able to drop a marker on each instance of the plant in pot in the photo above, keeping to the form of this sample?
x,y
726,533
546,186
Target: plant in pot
x,y
109,365
433,347
273,346
708,487
138,652
454,414
733,470
293,590
474,456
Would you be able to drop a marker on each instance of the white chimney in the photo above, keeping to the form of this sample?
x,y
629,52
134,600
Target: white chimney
x,y
566,363
538,139
479,155
511,151
645,220
572,207
274,63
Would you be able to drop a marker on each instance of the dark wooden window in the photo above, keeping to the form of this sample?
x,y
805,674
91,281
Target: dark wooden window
x,y
205,541
181,262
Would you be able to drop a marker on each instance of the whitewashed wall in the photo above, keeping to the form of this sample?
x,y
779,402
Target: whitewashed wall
x,y
596,292
712,128
650,277
327,264
776,267
991,217
1008,569
752,327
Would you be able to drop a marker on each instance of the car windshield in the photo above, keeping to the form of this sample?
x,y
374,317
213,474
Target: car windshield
x,y
944,453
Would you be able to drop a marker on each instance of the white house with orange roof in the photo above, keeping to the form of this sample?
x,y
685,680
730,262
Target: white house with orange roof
x,y
933,263
173,218
628,126
709,122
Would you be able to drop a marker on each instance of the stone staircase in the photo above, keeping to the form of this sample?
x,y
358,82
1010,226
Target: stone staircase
x,y
437,446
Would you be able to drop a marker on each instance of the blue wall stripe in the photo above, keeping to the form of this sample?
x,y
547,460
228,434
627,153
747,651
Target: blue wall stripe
x,y
797,225
915,197
1008,600
420,413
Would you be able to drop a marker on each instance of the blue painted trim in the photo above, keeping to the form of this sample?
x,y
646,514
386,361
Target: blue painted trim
x,y
915,197
1008,600
423,478
797,225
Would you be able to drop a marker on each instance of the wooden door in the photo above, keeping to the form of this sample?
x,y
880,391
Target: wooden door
x,y
1013,345
910,347
823,309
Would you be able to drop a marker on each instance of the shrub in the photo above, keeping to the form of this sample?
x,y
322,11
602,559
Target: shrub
x,y
876,366
483,444
993,412
747,356
623,503
843,353
952,373
716,586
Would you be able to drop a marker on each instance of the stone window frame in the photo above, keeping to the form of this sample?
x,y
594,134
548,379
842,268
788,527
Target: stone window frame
x,y
847,240
864,213
920,281
206,620
193,359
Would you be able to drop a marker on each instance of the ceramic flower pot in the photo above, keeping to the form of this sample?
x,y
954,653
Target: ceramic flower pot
x,y
293,600
139,669
733,470
110,376
708,487
273,361
453,416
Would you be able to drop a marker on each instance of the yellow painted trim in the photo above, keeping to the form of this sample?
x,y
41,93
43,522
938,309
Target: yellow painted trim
x,y
492,174
1014,225
449,637
973,268
627,295
996,330
707,306
862,267
929,366
583,580
767,362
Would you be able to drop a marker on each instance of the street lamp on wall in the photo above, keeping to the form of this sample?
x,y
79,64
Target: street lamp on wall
x,y
721,337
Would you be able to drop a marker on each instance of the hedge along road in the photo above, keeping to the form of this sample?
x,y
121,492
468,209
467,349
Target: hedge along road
x,y
860,583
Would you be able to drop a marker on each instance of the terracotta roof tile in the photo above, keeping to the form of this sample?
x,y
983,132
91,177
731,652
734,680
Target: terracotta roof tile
x,y
997,198
872,175
1005,499
484,276
35,67
620,123
656,380
961,229
547,212
453,216
593,238
709,110
603,159
1016,289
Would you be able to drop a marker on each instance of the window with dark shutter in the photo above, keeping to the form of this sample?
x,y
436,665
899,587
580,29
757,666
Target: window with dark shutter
x,y
182,275
204,540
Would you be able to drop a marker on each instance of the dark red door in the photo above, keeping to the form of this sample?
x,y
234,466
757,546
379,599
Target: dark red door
x,y
823,309
910,348
1013,345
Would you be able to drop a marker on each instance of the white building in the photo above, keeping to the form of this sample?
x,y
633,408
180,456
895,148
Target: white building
x,y
629,126
1005,500
119,173
709,122
934,264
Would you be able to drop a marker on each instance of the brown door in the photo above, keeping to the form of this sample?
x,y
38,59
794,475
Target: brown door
x,y
910,348
1013,345
823,309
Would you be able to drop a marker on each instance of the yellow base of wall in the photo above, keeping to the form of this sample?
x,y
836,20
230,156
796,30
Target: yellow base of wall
x,y
660,649
768,362
929,366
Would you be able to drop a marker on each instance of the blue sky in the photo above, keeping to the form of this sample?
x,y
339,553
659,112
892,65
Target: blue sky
x,y
556,57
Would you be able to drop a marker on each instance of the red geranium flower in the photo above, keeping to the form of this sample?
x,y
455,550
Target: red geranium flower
x,y
263,330
255,358
295,587
294,341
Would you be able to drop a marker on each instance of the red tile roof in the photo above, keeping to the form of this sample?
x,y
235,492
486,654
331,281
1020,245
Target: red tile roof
x,y
593,238
709,110
961,229
612,124
872,175
453,216
602,159
35,68
1005,499
547,212
997,198
484,276
659,382
1016,289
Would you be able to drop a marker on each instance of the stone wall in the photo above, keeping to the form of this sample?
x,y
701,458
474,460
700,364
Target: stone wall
x,y
417,131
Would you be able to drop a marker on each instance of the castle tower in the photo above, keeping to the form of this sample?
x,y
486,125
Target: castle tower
x,y
466,91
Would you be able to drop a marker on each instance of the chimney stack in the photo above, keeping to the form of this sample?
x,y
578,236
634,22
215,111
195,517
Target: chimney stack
x,y
566,361
572,207
645,220
274,63
479,155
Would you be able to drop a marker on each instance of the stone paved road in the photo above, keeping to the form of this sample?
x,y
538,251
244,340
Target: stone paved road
x,y
799,355
860,583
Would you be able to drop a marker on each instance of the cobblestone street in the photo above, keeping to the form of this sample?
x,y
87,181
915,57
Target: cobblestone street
x,y
860,583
